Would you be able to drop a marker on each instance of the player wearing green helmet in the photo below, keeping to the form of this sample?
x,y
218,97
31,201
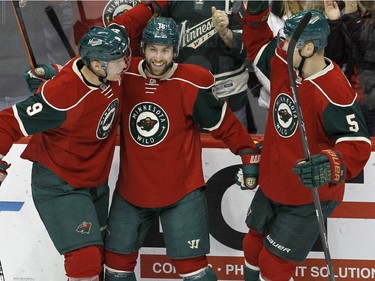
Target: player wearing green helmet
x,y
282,223
316,31
106,47
164,105
73,119
161,31
160,37
76,116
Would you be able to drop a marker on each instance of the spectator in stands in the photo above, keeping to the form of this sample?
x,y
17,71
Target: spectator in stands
x,y
279,12
354,48
208,41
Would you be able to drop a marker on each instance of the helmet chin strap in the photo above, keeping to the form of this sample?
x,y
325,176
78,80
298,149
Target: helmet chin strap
x,y
104,66
101,78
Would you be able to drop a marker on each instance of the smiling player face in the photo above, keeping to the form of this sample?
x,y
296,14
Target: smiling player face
x,y
158,59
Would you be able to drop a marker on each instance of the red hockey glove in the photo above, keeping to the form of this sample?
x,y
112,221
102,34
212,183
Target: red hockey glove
x,y
326,167
34,78
157,6
247,177
3,170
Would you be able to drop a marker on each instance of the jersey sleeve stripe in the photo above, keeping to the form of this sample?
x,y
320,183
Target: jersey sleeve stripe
x,y
19,121
351,139
189,82
68,108
340,105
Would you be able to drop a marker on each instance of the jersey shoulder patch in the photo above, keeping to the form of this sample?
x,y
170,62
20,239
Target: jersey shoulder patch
x,y
194,74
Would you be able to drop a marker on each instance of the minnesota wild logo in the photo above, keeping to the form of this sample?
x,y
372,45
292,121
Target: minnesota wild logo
x,y
115,8
148,124
106,121
285,116
84,227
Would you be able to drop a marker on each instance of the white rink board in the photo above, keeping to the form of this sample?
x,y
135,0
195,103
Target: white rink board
x,y
26,252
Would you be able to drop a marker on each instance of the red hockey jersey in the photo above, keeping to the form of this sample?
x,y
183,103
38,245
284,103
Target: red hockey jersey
x,y
332,117
161,150
74,127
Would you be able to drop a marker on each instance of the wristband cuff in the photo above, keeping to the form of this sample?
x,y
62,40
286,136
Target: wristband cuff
x,y
250,157
4,165
337,165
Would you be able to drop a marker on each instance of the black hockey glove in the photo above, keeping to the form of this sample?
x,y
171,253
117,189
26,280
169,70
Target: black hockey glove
x,y
257,7
327,167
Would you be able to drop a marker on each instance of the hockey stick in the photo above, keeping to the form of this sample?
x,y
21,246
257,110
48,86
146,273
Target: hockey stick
x,y
57,25
25,38
318,208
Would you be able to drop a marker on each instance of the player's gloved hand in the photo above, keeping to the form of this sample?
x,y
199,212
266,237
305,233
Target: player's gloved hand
x,y
247,176
256,7
255,14
35,77
3,170
326,167
157,6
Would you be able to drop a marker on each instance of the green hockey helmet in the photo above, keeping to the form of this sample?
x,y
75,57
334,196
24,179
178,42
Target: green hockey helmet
x,y
103,44
316,31
161,31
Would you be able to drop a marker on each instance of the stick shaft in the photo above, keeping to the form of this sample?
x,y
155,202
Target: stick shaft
x,y
57,25
24,35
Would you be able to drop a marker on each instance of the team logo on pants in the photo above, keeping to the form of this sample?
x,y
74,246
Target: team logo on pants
x,y
148,124
285,116
84,227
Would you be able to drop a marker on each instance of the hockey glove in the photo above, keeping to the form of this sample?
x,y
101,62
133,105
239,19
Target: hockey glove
x,y
323,168
34,78
255,14
247,177
3,170
256,7
157,6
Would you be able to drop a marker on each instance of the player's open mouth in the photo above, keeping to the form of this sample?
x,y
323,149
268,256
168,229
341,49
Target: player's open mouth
x,y
158,64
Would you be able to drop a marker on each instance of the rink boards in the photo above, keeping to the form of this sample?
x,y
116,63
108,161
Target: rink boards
x,y
26,252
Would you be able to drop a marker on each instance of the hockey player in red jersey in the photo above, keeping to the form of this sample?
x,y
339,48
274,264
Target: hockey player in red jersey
x,y
73,121
161,166
282,217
